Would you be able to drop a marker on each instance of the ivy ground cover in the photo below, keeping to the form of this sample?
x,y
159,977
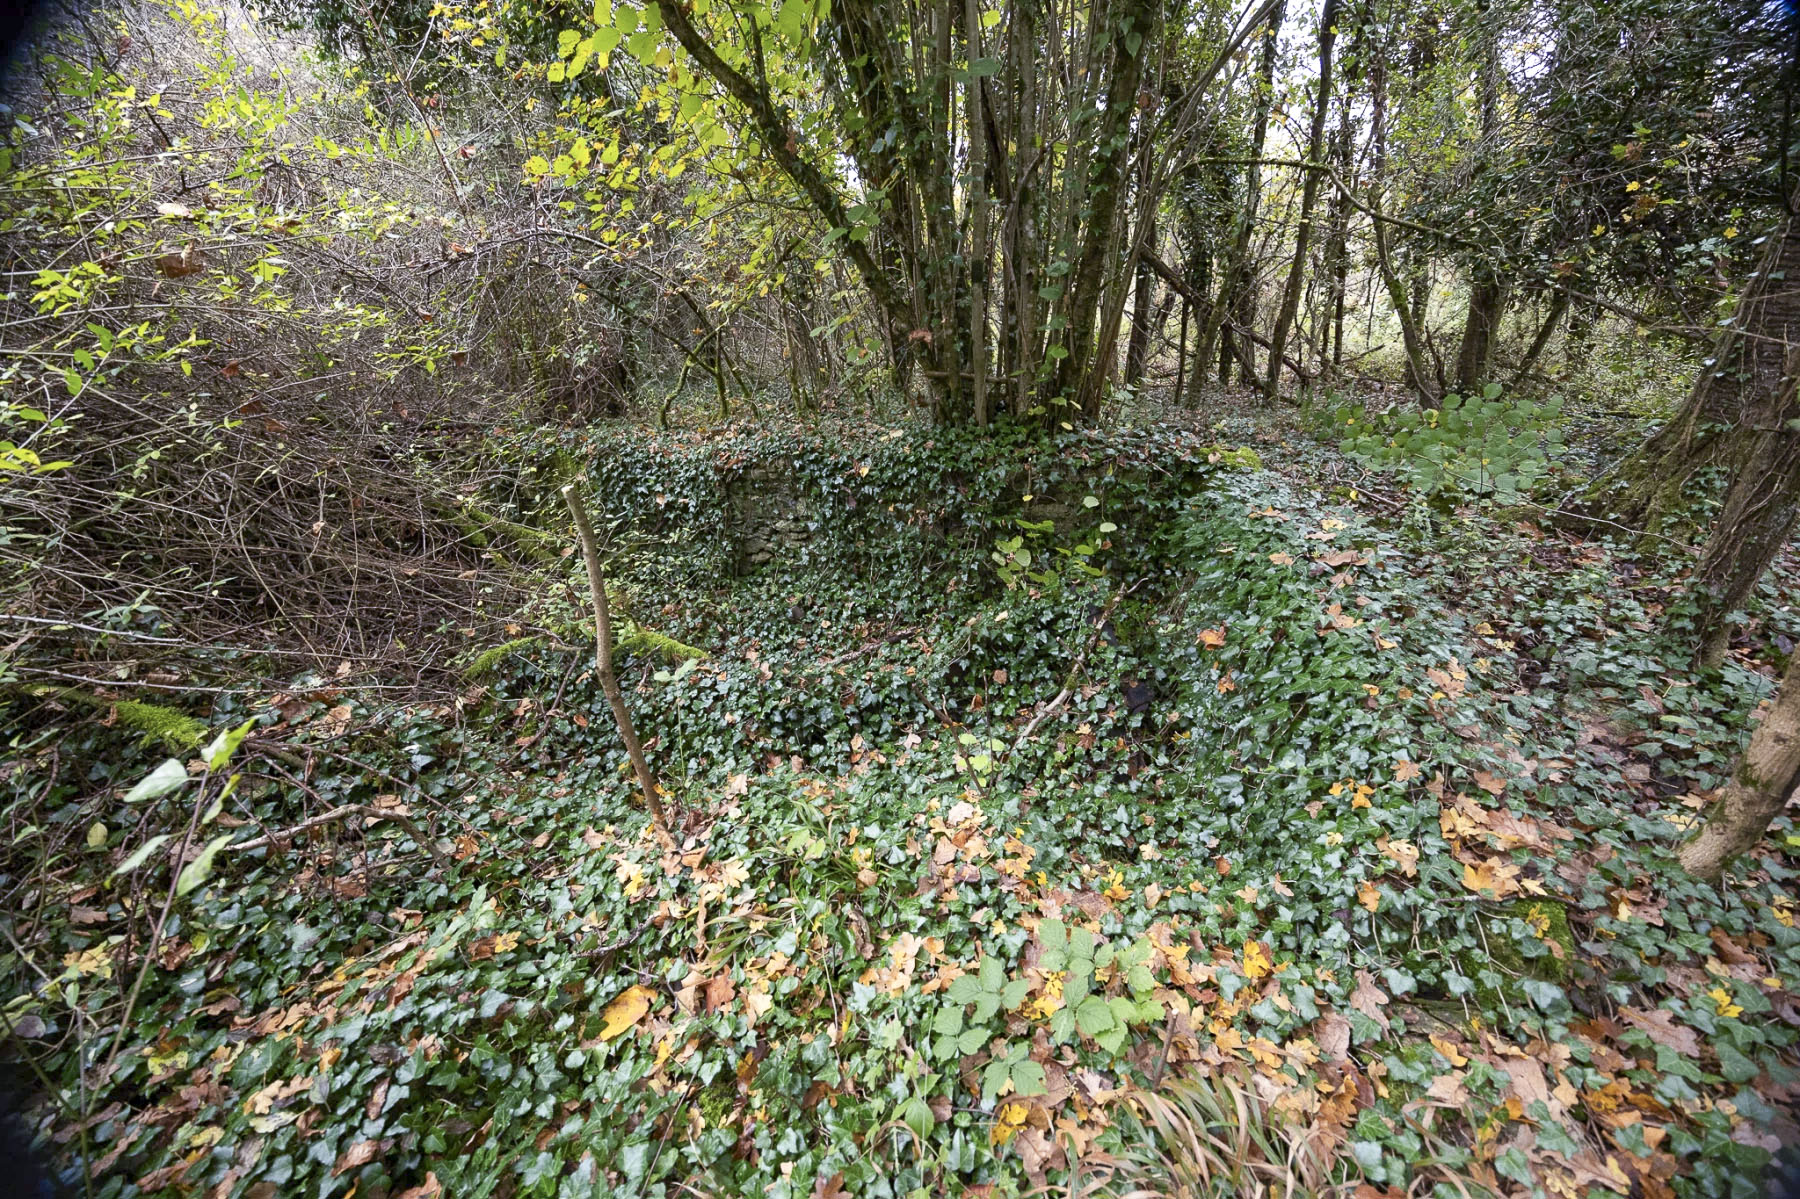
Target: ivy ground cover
x,y
1048,790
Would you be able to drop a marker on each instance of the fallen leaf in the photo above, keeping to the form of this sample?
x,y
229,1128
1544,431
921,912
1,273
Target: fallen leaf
x,y
1369,999
626,1010
359,1154
1368,894
1528,1082
1333,1033
719,992
1492,876
1451,1053
1007,1123
1256,959
431,1188
1448,1089
1403,853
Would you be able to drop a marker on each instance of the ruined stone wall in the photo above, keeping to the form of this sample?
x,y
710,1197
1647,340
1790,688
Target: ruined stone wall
x,y
770,519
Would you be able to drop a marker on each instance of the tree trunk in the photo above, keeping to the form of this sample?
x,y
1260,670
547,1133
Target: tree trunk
x,y
1339,254
1766,778
1487,293
1409,330
1743,393
1236,302
1390,278
1757,519
1181,353
603,661
1137,347
1487,301
1559,304
1309,197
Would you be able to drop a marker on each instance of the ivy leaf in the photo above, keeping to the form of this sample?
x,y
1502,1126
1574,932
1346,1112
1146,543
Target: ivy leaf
x,y
219,752
915,1113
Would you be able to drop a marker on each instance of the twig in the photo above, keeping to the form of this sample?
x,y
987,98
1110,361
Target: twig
x,y
368,811
162,917
1062,697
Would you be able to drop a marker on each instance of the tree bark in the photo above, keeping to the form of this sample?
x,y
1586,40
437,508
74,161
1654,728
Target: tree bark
x,y
1487,301
1559,304
1765,780
1181,352
1309,196
1758,518
1745,390
1138,345
603,661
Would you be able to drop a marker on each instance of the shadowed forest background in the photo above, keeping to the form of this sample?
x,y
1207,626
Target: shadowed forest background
x,y
961,596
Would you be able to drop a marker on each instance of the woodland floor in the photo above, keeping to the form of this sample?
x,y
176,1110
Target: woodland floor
x,y
1265,780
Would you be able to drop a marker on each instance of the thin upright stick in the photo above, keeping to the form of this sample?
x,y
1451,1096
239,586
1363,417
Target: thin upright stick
x,y
603,660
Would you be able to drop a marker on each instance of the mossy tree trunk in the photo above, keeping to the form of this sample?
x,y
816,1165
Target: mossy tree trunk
x,y
1744,395
1758,518
1764,781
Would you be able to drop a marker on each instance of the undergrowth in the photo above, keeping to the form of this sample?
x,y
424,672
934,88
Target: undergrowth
x,y
999,871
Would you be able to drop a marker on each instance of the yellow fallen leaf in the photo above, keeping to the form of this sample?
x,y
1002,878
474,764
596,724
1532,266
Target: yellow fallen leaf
x,y
1492,875
1403,853
1011,1118
1722,1000
1449,1050
625,1011
96,959
1264,1053
1256,960
1368,894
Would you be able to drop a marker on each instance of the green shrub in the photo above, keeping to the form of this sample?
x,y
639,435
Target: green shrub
x,y
1484,447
